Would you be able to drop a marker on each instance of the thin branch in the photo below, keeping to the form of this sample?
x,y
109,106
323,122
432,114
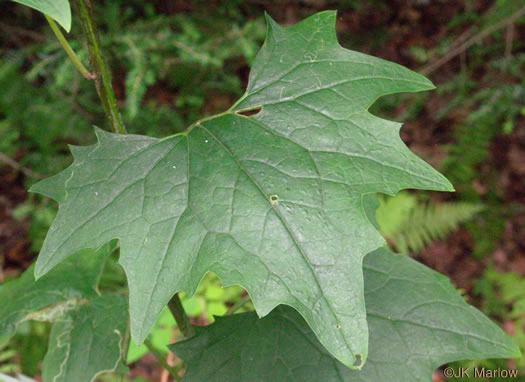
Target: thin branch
x,y
462,37
100,69
509,37
160,359
21,32
238,305
471,41
183,322
15,165
190,51
72,55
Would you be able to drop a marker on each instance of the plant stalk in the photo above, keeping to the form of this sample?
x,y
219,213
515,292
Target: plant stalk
x,y
101,72
72,55
160,358
183,322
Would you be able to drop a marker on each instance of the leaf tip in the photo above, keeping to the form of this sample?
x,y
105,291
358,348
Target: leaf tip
x,y
67,23
102,135
269,19
46,259
35,188
79,152
39,269
426,83
446,186
53,187
272,27
516,352
64,20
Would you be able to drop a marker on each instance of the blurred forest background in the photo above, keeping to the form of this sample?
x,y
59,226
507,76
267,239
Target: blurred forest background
x,y
174,62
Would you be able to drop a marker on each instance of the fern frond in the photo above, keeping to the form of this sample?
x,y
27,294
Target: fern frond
x,y
410,225
499,106
7,355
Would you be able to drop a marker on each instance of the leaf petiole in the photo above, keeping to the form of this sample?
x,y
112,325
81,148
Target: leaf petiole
x,y
160,358
183,322
72,55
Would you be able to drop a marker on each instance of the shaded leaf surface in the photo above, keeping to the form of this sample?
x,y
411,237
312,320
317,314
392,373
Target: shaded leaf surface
x,y
271,202
59,10
88,341
417,322
71,283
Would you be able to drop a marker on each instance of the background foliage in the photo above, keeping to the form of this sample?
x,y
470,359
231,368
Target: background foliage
x,y
176,62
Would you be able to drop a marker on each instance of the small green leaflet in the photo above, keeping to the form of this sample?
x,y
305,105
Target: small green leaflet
x,y
417,322
68,285
59,10
271,202
88,341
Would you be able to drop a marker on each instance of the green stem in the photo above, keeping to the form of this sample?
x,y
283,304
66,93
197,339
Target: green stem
x,y
100,70
183,322
160,358
72,55
238,305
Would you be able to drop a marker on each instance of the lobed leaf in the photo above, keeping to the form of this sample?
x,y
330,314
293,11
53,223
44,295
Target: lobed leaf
x,y
64,288
88,341
417,322
271,202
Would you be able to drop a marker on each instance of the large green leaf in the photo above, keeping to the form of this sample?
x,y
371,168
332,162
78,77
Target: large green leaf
x,y
88,341
271,202
59,10
417,322
68,285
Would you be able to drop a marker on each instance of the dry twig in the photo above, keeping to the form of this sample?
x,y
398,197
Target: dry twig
x,y
15,165
471,41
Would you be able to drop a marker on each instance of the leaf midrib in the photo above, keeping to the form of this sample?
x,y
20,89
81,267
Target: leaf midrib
x,y
285,225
